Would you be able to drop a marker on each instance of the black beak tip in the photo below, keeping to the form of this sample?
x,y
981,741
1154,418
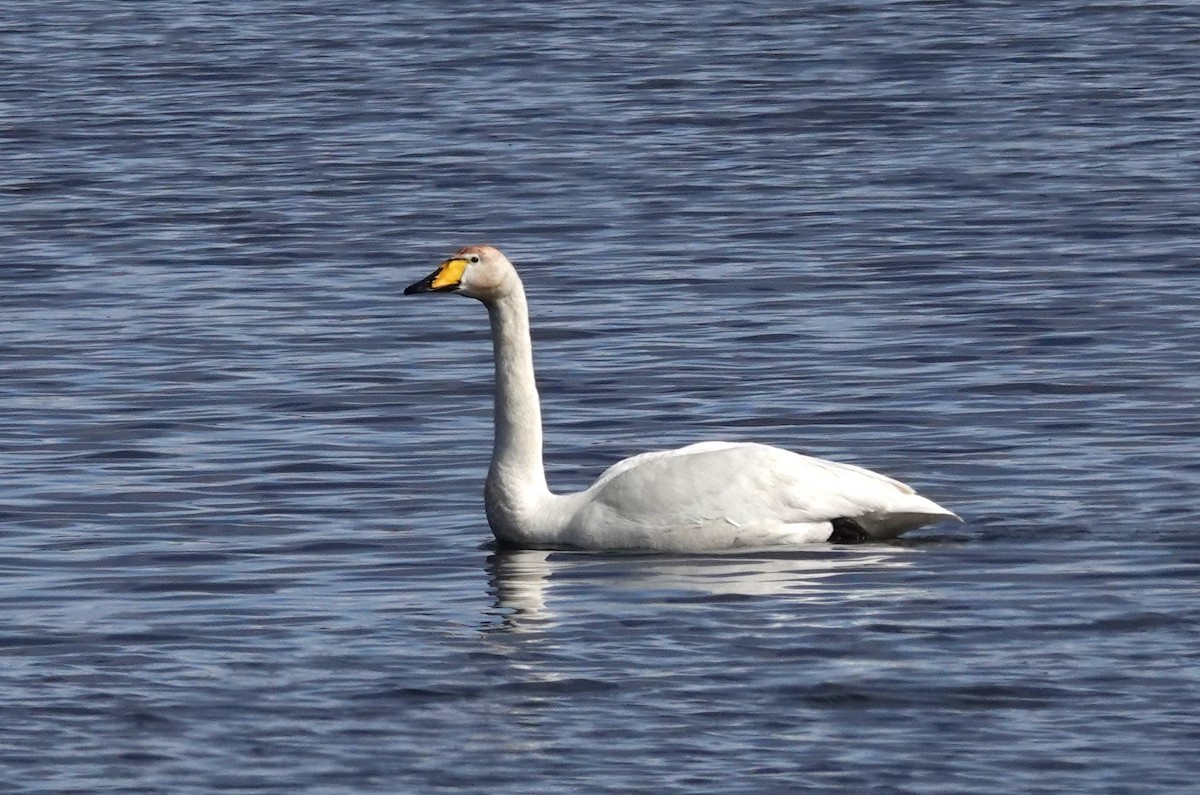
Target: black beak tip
x,y
426,286
423,286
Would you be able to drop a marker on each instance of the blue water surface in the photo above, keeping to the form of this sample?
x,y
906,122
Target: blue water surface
x,y
242,544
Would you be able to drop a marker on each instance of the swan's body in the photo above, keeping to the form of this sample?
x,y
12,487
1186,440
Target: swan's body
x,y
707,496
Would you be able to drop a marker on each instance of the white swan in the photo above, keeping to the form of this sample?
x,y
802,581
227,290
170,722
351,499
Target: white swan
x,y
707,496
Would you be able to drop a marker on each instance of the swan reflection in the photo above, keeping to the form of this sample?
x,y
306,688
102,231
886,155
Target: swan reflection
x,y
523,582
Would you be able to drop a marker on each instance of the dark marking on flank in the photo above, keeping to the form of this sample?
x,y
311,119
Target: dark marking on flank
x,y
848,531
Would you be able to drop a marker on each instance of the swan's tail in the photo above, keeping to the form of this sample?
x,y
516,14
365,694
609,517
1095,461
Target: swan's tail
x,y
908,514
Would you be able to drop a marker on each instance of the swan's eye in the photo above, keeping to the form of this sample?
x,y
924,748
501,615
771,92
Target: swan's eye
x,y
474,258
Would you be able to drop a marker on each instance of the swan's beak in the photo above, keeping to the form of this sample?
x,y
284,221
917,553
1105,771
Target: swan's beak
x,y
447,277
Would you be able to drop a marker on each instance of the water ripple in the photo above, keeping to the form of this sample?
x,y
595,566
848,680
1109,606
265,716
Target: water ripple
x,y
242,544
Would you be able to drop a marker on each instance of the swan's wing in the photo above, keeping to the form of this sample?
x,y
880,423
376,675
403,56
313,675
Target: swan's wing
x,y
752,485
635,461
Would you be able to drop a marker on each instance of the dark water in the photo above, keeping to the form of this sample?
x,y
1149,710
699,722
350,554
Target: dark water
x,y
242,546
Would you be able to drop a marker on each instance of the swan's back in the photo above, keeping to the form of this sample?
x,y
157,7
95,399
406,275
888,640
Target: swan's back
x,y
705,494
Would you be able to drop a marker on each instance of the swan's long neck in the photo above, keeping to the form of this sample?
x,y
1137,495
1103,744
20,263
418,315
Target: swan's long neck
x,y
517,479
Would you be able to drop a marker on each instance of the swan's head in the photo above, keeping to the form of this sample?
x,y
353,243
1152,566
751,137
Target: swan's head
x,y
477,271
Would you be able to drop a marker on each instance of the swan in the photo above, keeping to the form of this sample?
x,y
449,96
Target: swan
x,y
704,497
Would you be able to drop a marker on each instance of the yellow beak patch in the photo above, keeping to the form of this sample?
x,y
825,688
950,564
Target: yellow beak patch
x,y
449,274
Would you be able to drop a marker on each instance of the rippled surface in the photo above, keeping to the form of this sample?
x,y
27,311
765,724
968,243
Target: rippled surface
x,y
243,547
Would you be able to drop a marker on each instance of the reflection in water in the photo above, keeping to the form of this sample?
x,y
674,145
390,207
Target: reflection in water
x,y
518,580
522,580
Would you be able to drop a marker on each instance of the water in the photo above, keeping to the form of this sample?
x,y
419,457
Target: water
x,y
242,546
